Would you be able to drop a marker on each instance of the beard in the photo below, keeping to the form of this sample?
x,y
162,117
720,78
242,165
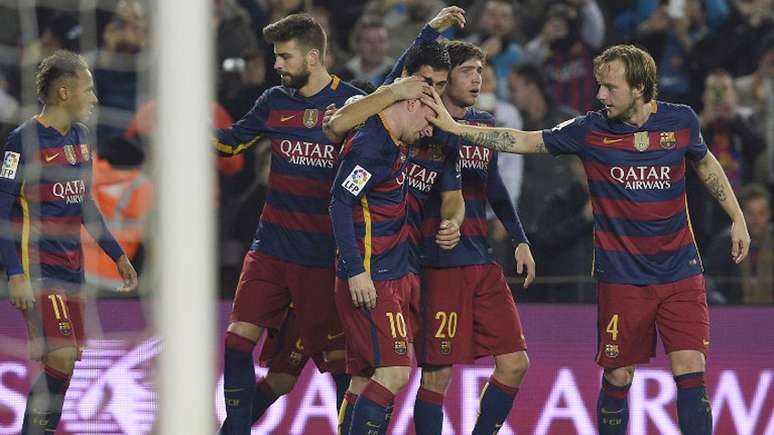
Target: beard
x,y
626,113
296,81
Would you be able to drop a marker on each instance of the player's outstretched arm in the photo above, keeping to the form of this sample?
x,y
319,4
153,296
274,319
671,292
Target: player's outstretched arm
x,y
358,111
507,140
716,182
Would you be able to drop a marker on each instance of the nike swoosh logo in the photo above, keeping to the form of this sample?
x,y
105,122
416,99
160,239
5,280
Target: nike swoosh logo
x,y
605,411
333,337
286,118
608,141
52,157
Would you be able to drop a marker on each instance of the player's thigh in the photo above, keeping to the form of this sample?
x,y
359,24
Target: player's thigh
x,y
683,316
497,328
312,289
447,318
626,331
262,296
55,322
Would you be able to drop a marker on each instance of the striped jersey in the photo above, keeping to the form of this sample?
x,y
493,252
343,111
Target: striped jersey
x,y
294,224
45,197
368,203
481,183
433,169
642,231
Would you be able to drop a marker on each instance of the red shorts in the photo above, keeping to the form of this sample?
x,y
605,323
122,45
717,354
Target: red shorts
x,y
467,312
283,350
628,316
381,337
268,286
55,322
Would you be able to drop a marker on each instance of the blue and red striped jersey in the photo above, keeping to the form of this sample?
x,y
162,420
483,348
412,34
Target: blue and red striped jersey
x,y
642,231
45,197
481,183
433,168
294,224
368,203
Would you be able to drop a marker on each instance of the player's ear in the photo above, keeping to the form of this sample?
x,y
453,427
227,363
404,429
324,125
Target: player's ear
x,y
62,93
412,105
638,91
313,57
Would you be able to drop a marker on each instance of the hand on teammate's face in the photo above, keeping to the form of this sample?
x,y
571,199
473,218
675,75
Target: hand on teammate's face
x,y
442,119
410,88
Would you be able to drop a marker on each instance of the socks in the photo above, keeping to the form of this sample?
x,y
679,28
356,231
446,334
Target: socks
x,y
428,412
496,403
694,411
370,416
44,402
345,412
342,383
238,385
612,409
264,397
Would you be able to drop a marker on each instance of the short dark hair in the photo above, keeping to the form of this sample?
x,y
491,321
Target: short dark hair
x,y
307,32
640,67
431,53
461,51
62,64
364,85
751,192
532,74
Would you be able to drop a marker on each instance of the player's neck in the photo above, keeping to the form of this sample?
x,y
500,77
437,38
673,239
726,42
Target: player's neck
x,y
318,80
455,110
640,115
56,118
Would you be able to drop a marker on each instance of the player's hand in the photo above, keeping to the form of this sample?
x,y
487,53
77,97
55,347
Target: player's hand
x,y
524,260
409,88
326,125
442,119
128,274
448,234
740,240
447,18
363,292
20,292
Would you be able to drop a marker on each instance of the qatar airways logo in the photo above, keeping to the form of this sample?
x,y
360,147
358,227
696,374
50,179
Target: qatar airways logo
x,y
473,157
419,178
308,153
643,177
70,191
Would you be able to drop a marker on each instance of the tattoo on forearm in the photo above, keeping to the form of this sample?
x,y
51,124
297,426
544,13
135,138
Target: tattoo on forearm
x,y
541,147
496,140
715,186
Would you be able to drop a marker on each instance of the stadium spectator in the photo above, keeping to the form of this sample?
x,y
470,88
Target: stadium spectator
x,y
240,98
404,20
234,36
371,43
751,282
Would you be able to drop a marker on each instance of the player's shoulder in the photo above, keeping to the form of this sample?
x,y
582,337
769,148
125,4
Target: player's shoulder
x,y
277,91
675,109
345,89
475,115
25,128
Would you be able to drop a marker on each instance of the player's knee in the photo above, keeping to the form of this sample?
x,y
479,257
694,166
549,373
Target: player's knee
x,y
392,378
281,383
62,360
513,364
687,362
620,376
436,378
246,330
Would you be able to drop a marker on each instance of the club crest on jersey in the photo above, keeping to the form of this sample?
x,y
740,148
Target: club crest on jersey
x,y
611,350
69,152
667,140
446,347
294,359
65,329
85,153
413,151
10,165
436,152
356,180
400,347
641,141
310,117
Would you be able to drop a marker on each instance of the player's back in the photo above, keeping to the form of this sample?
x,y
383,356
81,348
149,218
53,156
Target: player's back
x,y
294,224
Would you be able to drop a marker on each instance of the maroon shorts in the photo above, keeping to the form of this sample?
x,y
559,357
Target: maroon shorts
x,y
467,312
381,337
55,322
268,286
283,350
628,316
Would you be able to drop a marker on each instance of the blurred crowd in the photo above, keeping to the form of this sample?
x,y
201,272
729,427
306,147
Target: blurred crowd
x,y
715,55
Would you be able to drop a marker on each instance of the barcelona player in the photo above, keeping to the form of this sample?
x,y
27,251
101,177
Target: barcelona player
x,y
45,198
649,273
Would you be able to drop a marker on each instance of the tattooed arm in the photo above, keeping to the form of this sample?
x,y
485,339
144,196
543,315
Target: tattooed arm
x,y
711,174
507,140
